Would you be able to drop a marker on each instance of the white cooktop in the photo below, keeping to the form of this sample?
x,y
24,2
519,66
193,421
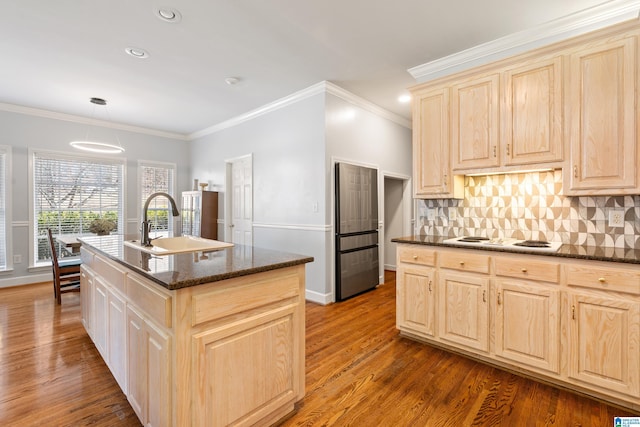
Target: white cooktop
x,y
505,243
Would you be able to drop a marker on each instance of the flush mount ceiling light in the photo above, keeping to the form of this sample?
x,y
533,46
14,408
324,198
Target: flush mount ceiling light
x,y
136,52
94,146
168,15
232,81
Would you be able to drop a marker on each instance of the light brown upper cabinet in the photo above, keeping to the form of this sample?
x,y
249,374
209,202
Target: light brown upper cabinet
x,y
531,115
474,122
431,162
602,119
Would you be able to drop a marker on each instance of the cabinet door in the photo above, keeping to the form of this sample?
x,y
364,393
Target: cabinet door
x,y
604,336
101,318
136,359
118,339
158,375
528,324
474,123
431,146
149,370
416,300
602,118
464,310
246,369
86,299
532,113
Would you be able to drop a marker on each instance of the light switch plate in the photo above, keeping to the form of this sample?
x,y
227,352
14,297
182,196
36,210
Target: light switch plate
x,y
431,214
452,214
616,218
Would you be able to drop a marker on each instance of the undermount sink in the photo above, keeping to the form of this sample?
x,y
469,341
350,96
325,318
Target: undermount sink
x,y
176,245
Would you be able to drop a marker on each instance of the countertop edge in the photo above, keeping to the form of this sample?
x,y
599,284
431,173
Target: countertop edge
x,y
565,251
205,278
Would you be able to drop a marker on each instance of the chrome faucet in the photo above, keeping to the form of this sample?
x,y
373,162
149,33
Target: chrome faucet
x,y
146,225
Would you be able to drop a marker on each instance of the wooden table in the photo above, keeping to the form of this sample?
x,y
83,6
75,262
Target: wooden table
x,y
70,241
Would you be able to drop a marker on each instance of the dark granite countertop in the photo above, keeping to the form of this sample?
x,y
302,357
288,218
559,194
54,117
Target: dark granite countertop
x,y
629,256
190,269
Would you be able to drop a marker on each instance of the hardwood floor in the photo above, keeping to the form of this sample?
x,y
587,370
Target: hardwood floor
x,y
360,372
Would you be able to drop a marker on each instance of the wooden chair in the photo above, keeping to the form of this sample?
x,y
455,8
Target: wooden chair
x,y
66,273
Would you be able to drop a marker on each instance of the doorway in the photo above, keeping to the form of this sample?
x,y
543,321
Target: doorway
x,y
397,216
239,201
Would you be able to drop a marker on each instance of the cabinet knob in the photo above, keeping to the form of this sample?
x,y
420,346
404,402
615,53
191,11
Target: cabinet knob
x,y
602,280
415,257
461,263
524,270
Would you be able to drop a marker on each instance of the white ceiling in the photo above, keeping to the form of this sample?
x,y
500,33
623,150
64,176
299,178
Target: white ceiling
x,y
55,55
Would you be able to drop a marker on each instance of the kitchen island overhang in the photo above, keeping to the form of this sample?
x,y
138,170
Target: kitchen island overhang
x,y
203,338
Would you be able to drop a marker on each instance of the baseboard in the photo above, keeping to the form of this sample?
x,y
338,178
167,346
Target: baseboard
x,y
25,280
318,298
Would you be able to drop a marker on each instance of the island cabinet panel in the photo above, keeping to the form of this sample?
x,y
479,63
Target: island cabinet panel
x,y
604,336
245,369
86,295
416,299
228,352
528,324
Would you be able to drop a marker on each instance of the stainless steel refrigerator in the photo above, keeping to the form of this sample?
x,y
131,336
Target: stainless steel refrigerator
x,y
356,222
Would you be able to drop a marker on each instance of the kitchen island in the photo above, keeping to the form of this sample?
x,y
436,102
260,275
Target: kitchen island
x,y
198,339
571,317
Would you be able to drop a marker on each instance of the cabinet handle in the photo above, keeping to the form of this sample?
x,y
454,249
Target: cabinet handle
x,y
499,300
508,150
524,270
445,179
461,263
602,280
484,296
415,257
575,171
573,312
429,286
495,154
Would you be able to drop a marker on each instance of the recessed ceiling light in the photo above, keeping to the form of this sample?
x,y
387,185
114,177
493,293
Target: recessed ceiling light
x,y
169,15
231,81
136,52
404,98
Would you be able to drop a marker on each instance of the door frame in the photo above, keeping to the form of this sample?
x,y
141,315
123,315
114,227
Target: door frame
x,y
228,235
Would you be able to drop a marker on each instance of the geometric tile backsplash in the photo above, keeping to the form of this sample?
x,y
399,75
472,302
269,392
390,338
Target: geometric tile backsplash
x,y
531,206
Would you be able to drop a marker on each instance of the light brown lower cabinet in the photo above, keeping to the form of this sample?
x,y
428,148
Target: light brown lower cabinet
x,y
217,354
572,322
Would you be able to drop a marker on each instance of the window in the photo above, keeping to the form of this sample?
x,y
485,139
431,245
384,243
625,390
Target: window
x,y
154,177
5,178
71,191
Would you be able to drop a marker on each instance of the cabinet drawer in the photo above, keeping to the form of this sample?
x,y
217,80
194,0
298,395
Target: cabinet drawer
x,y
154,303
465,261
109,272
527,268
604,278
416,254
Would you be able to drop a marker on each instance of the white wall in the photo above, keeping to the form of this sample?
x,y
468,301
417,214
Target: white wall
x,y
359,136
393,217
287,145
23,132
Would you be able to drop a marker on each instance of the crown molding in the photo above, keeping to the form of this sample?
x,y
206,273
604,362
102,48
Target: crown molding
x,y
29,111
316,89
604,15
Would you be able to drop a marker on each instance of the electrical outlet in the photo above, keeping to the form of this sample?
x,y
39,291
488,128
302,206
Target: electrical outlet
x,y
17,259
616,218
431,214
452,214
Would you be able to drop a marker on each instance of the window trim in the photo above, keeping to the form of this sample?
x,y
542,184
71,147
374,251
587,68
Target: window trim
x,y
172,192
6,151
33,263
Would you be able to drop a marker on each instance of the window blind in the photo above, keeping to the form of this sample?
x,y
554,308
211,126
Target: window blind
x,y
155,177
70,192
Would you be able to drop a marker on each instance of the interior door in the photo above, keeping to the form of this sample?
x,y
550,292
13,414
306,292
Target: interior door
x,y
240,191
